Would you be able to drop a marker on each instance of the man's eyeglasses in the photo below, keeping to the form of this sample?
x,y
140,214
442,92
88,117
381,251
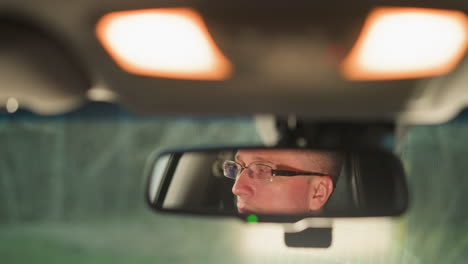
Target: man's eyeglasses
x,y
259,171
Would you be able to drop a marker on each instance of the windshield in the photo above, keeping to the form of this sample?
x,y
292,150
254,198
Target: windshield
x,y
71,192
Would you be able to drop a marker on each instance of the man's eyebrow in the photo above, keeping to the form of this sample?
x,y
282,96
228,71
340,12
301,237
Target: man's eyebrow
x,y
260,159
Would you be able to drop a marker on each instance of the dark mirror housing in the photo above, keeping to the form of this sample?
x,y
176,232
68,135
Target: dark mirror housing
x,y
260,184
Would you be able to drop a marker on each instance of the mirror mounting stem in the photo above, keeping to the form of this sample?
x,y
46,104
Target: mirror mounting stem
x,y
296,132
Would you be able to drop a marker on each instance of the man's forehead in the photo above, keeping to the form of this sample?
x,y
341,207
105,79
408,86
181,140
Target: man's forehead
x,y
269,155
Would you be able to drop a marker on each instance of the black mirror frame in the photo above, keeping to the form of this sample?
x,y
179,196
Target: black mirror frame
x,y
261,218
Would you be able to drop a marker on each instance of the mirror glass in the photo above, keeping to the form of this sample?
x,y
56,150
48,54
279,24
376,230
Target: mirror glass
x,y
273,181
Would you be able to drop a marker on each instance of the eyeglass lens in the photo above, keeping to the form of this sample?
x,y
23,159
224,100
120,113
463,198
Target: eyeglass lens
x,y
257,171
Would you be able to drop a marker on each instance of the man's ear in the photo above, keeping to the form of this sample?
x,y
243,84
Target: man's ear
x,y
320,190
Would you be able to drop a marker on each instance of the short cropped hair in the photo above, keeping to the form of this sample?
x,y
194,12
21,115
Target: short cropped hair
x,y
329,162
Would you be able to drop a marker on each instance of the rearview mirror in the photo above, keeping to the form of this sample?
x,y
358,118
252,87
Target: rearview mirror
x,y
278,185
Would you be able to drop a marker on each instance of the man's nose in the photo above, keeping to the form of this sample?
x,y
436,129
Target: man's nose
x,y
244,186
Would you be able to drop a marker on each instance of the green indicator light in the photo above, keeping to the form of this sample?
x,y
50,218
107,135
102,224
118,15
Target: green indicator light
x,y
252,218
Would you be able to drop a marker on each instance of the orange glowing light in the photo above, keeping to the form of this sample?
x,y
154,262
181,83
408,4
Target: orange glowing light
x,y
166,42
402,43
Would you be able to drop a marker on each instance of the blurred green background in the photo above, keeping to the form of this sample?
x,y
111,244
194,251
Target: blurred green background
x,y
72,191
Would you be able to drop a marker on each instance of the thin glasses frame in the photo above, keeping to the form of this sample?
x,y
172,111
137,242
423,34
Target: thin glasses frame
x,y
274,172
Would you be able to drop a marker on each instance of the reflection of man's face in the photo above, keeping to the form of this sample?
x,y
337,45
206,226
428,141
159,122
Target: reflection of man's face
x,y
282,194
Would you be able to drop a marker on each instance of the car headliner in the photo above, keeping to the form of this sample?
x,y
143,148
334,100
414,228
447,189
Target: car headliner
x,y
251,90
